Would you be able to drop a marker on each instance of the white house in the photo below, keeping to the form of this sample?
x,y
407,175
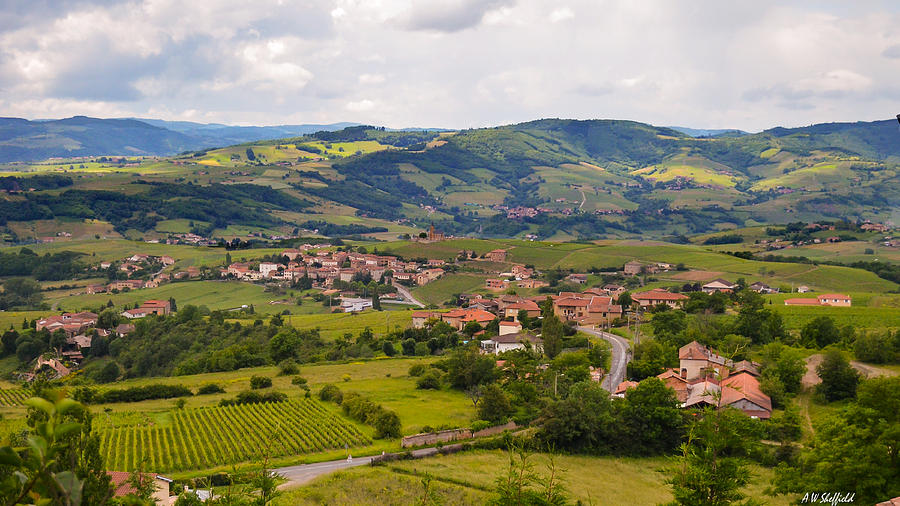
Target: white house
x,y
507,342
265,268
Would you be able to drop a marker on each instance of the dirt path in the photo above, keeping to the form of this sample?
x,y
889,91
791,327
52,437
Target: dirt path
x,y
811,379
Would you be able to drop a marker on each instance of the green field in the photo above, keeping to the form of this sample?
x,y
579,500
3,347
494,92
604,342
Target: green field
x,y
437,292
212,294
332,325
468,478
207,437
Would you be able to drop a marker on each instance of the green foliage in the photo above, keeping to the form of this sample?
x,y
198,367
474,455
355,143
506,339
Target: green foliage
x,y
651,418
288,367
854,449
210,388
331,393
131,394
109,373
20,293
552,334
521,485
494,406
839,379
251,397
710,470
755,321
651,358
387,425
876,347
257,382
431,380
786,365
820,332
467,368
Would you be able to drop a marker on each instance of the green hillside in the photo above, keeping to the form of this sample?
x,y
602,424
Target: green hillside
x,y
574,179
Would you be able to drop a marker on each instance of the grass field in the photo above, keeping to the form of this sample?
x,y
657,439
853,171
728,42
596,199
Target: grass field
x,y
212,294
332,325
437,292
468,478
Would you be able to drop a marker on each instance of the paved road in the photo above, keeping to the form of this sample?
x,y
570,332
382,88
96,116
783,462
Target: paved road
x,y
620,358
406,295
304,473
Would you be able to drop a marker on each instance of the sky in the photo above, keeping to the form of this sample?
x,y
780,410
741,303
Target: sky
x,y
452,63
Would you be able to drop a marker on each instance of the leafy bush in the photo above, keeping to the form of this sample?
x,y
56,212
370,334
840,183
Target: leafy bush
x,y
417,370
387,425
251,397
288,367
210,388
431,380
257,382
331,393
478,425
136,394
299,380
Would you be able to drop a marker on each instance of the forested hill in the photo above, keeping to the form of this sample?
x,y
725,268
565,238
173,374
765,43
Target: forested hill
x,y
551,178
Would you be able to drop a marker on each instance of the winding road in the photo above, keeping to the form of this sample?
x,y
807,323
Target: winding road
x,y
621,355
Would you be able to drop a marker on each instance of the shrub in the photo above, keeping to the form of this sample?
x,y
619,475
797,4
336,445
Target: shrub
x,y
478,425
251,397
417,369
299,380
137,394
361,408
431,380
387,425
331,393
346,377
108,374
210,388
288,367
257,382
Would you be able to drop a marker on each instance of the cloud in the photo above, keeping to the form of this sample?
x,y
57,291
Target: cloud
x,y
892,52
561,14
449,15
360,106
450,63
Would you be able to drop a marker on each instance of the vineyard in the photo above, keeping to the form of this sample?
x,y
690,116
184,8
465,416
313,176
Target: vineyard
x,y
214,436
12,397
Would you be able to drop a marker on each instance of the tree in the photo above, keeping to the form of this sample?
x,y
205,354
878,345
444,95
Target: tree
x,y
625,300
854,450
409,346
376,301
494,406
523,318
109,373
250,154
784,364
173,307
651,357
9,342
839,379
276,320
283,345
472,328
875,347
820,332
388,348
754,321
466,368
387,425
711,470
552,333
652,421
582,422
669,323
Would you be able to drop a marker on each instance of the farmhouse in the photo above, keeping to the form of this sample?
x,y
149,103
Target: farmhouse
x,y
659,296
531,307
509,327
458,318
826,299
719,285
507,342
157,307
760,287
496,284
586,308
497,255
70,323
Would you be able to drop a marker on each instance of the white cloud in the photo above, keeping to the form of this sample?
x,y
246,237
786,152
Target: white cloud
x,y
360,106
561,14
452,63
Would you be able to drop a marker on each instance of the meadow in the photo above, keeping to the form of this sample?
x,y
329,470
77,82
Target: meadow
x,y
468,478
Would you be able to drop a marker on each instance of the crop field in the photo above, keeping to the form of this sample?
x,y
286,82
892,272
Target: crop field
x,y
796,317
213,436
10,397
13,319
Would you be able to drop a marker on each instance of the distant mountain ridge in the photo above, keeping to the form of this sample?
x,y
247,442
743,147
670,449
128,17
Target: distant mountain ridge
x,y
25,140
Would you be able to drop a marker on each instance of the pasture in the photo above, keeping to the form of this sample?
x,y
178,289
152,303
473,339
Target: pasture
x,y
469,477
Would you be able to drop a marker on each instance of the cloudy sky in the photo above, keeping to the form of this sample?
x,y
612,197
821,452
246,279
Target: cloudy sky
x,y
452,63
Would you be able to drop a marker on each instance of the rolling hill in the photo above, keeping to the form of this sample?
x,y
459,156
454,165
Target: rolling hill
x,y
551,178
